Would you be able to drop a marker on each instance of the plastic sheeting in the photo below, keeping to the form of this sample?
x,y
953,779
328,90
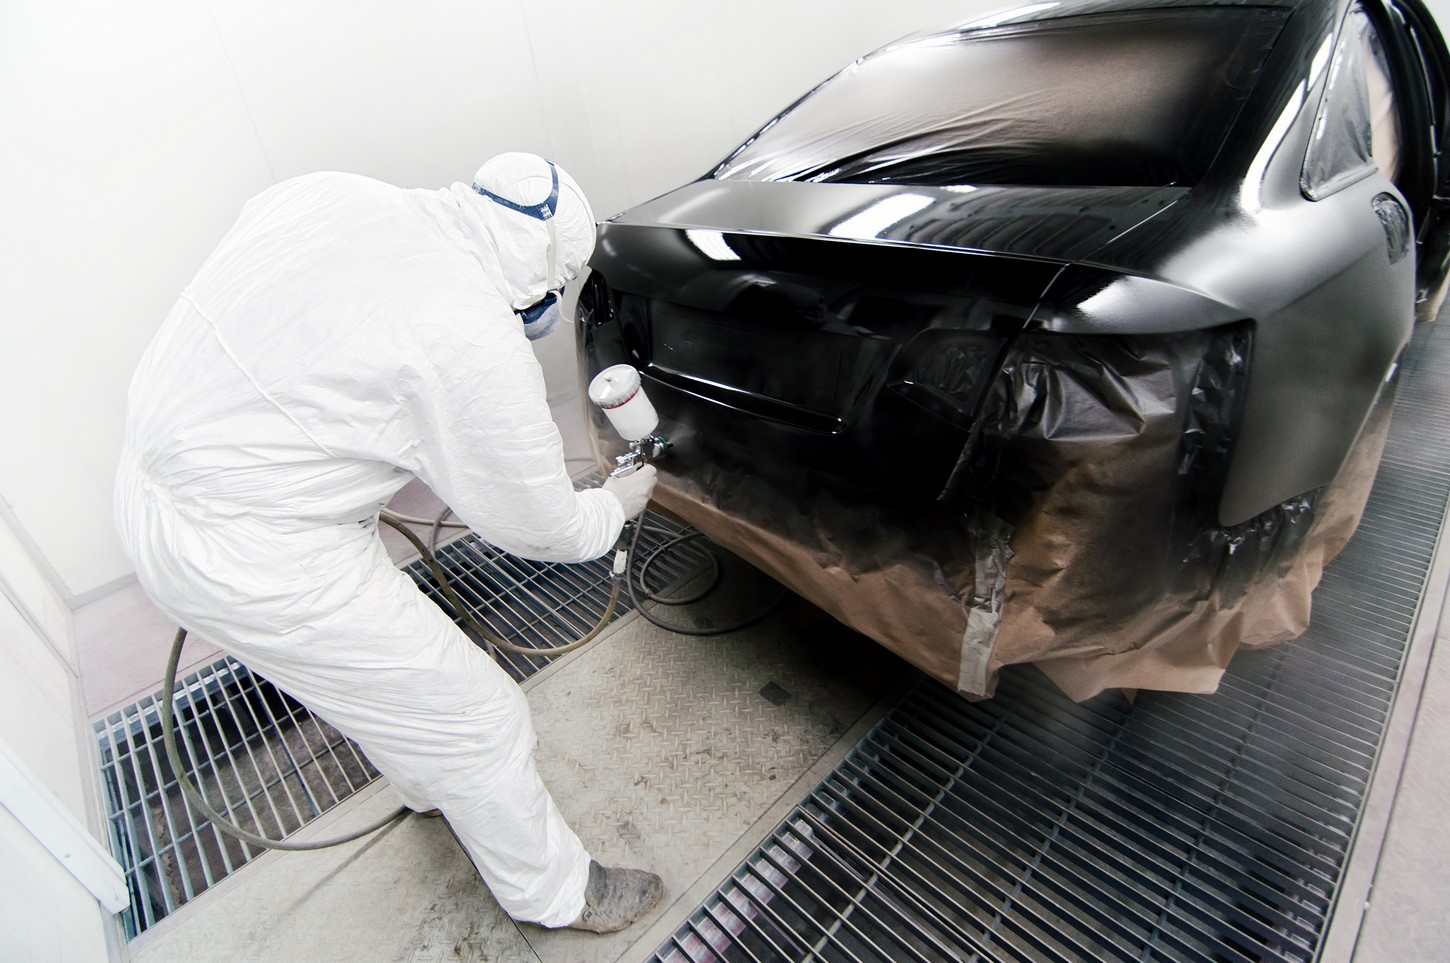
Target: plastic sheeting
x,y
1357,128
1079,531
1140,98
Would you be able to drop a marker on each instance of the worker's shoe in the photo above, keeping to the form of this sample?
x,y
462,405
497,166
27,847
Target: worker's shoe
x,y
614,898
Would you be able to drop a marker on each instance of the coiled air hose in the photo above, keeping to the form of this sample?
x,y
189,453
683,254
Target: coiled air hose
x,y
634,593
398,522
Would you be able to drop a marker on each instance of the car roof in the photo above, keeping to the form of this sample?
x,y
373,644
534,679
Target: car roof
x,y
847,126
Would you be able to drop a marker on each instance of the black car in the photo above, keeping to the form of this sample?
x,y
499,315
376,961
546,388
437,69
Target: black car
x,y
1065,336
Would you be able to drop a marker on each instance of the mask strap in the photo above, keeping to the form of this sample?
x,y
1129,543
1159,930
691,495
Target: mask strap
x,y
541,212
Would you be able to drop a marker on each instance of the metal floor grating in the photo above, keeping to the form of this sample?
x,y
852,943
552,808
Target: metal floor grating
x,y
270,765
276,766
544,604
1175,827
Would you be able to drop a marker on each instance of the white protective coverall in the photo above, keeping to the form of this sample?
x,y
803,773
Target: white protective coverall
x,y
346,337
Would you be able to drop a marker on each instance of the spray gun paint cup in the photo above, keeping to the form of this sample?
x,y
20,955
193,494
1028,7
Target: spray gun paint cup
x,y
617,391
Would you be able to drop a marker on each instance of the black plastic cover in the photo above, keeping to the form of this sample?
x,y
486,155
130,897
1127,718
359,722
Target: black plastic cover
x,y
1142,98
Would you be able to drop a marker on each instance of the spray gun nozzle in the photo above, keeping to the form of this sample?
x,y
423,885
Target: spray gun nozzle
x,y
642,451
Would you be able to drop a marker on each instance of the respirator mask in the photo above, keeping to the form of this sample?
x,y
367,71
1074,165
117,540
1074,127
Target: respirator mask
x,y
542,316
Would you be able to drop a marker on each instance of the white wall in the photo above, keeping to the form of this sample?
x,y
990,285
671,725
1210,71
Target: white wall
x,y
45,913
133,132
38,670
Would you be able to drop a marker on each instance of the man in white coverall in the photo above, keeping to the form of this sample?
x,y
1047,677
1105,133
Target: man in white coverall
x,y
346,337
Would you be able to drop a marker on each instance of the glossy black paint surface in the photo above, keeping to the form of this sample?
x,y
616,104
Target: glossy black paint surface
x,y
857,328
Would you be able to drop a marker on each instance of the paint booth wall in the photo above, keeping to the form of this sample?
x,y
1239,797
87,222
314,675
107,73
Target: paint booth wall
x,y
45,913
134,133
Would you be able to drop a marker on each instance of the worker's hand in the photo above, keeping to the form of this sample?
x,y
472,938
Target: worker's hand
x,y
633,490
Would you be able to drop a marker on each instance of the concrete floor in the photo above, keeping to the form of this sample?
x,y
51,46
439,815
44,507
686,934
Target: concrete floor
x,y
1404,850
700,767
1407,915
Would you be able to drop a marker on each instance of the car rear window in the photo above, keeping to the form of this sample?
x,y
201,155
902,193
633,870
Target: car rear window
x,y
1140,99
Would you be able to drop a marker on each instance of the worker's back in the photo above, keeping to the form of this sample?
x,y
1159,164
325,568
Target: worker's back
x,y
281,382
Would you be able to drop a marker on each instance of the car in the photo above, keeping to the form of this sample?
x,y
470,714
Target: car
x,y
1065,336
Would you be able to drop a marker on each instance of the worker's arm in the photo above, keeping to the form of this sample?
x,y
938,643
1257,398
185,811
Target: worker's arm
x,y
487,446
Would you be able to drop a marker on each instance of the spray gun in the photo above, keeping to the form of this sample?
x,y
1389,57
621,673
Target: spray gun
x,y
618,392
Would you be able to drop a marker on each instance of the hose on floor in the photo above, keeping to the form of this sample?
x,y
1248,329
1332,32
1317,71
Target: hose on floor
x,y
431,560
425,552
193,794
636,591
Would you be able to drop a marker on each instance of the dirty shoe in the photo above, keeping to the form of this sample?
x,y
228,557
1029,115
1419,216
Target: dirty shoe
x,y
615,898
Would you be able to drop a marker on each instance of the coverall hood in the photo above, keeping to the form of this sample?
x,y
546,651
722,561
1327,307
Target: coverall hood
x,y
514,247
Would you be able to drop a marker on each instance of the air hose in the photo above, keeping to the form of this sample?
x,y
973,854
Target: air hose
x,y
463,611
621,570
188,789
634,593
